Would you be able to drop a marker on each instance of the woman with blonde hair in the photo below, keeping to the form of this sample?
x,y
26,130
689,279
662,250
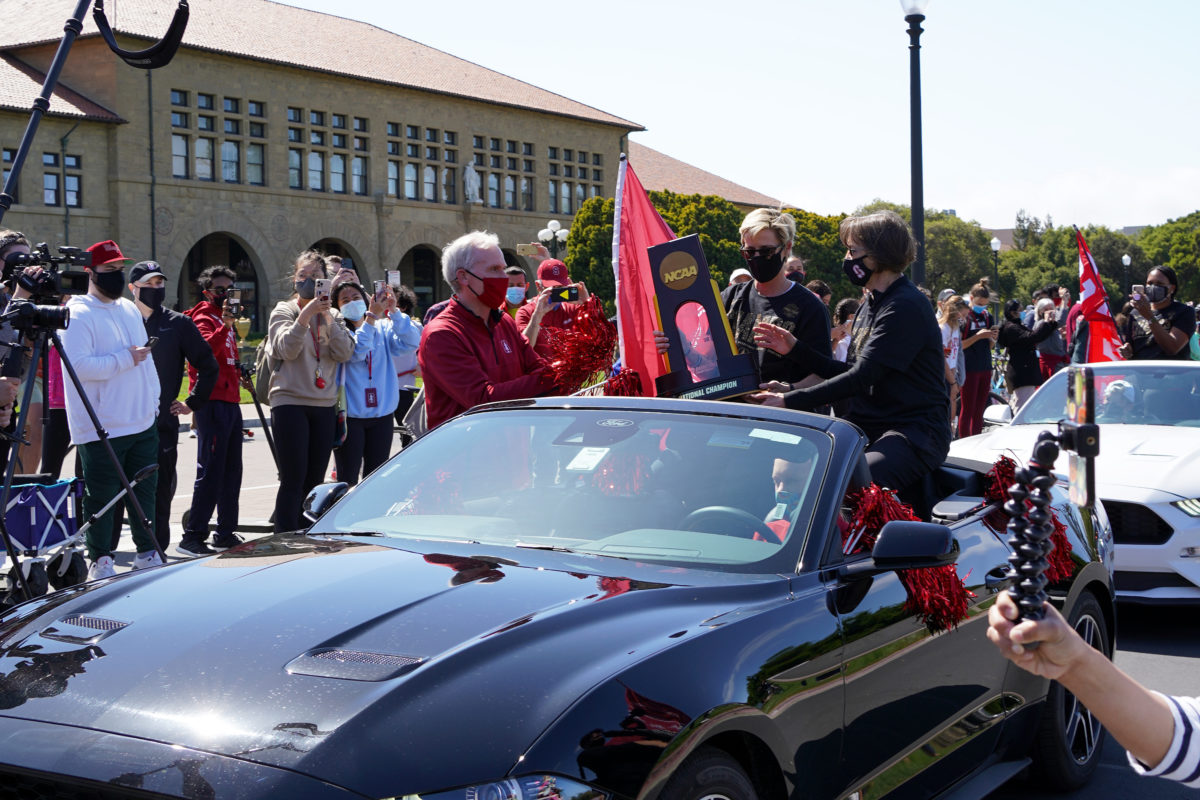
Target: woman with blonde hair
x,y
306,340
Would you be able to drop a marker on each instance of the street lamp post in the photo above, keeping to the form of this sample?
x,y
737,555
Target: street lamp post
x,y
554,236
995,243
914,15
1126,260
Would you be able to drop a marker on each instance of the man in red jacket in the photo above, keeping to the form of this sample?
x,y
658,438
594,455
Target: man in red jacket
x,y
218,425
472,352
540,313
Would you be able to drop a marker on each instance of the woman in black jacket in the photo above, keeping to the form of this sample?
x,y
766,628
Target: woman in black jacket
x,y
1024,372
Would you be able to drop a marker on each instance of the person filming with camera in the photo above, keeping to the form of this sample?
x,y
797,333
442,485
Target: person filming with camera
x,y
107,345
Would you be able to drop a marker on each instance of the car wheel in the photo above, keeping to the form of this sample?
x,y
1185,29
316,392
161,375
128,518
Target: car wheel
x,y
1069,739
75,574
709,774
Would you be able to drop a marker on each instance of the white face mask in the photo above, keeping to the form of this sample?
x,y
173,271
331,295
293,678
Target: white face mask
x,y
354,310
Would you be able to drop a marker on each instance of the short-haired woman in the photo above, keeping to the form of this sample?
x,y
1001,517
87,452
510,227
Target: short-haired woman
x,y
894,374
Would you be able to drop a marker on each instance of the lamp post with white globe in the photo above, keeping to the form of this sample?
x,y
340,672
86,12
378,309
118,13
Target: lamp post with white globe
x,y
554,236
1126,260
914,15
995,243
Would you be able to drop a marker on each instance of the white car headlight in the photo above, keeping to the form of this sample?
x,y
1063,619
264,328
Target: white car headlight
x,y
1190,507
528,787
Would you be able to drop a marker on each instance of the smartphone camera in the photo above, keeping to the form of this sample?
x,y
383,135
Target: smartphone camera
x,y
564,294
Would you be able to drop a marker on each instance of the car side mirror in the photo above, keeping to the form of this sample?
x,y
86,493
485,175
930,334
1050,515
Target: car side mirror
x,y
322,498
997,415
905,544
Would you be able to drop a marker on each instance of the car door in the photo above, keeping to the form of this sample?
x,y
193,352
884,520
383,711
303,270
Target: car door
x,y
922,709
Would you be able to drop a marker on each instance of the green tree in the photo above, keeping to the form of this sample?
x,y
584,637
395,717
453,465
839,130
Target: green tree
x,y
1176,244
715,219
818,244
589,249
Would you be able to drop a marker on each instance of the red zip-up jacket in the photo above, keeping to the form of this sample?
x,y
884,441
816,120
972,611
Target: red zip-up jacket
x,y
465,362
221,339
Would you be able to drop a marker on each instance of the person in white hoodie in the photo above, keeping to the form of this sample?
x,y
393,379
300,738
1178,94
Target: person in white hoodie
x,y
106,344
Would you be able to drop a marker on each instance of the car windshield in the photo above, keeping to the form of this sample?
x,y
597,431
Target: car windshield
x,y
685,488
1126,393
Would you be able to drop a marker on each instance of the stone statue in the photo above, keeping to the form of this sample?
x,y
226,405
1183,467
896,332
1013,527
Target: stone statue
x,y
471,180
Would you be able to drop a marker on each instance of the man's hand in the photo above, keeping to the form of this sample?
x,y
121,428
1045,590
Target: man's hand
x,y
139,354
583,294
542,251
773,337
542,304
778,387
32,273
178,408
1126,351
8,395
661,342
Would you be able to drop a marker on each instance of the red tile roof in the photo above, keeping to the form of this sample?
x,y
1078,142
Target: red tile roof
x,y
661,172
21,83
273,32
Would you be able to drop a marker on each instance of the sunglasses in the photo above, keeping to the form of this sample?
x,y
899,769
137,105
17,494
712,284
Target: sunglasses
x,y
757,252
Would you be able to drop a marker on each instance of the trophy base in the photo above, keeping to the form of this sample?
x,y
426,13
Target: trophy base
x,y
738,377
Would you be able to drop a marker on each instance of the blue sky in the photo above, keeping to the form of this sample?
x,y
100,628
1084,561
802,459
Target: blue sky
x,y
1086,111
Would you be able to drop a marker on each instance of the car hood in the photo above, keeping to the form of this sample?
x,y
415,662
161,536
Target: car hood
x,y
380,669
1154,457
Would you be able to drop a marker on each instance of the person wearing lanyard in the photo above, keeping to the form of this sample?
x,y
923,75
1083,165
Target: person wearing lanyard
x,y
307,339
372,390
405,364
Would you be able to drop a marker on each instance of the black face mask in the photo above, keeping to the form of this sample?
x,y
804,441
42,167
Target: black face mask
x,y
307,288
856,270
764,268
218,296
152,297
110,284
1155,293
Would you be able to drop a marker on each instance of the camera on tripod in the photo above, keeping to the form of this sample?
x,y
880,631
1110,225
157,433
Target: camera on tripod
x,y
54,281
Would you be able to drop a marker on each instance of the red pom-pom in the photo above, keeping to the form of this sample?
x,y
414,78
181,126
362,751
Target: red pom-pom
x,y
583,351
1001,477
937,596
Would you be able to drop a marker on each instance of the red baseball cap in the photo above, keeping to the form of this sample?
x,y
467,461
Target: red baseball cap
x,y
553,272
107,252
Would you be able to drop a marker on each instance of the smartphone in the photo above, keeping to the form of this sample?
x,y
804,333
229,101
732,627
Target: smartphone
x,y
322,289
564,294
393,278
1138,291
1081,414
153,340
380,288
234,296
527,250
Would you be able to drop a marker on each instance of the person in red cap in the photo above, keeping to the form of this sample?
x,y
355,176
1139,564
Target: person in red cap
x,y
107,345
542,312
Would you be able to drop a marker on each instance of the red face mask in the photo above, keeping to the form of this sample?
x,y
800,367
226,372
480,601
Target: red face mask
x,y
494,289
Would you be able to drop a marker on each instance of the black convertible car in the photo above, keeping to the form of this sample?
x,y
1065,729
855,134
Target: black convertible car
x,y
562,599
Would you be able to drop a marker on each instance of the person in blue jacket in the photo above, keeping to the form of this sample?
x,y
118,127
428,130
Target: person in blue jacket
x,y
372,389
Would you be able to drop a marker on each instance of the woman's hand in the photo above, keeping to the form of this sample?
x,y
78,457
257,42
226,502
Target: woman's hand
x,y
773,337
379,302
1142,306
1060,646
766,399
778,387
661,342
1126,351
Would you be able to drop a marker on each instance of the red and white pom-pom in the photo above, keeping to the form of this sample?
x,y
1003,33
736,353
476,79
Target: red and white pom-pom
x,y
936,596
626,383
582,349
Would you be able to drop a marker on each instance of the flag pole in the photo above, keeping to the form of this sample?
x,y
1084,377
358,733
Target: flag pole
x,y
616,256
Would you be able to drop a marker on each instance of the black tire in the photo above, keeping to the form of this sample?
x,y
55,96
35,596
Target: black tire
x,y
710,774
38,581
1068,742
75,574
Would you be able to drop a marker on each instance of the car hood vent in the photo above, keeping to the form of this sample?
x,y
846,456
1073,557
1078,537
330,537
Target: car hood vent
x,y
83,629
352,665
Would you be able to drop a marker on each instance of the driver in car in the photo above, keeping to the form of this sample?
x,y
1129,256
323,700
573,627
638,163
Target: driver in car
x,y
1119,399
791,479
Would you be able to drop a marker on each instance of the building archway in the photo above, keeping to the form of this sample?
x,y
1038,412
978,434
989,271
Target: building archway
x,y
230,251
336,247
421,268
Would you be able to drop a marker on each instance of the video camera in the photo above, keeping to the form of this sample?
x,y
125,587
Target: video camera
x,y
54,281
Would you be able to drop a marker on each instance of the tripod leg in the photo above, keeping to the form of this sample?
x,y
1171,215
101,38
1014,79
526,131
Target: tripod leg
x,y
10,471
266,428
69,370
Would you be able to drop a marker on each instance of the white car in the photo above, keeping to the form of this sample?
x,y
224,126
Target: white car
x,y
1147,473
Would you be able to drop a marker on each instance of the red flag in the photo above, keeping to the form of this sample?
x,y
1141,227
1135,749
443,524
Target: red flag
x,y
636,226
1103,340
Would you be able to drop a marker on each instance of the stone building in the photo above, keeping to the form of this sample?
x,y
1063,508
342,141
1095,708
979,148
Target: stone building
x,y
260,140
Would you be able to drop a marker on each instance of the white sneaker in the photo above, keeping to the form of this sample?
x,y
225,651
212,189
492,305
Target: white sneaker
x,y
102,567
150,559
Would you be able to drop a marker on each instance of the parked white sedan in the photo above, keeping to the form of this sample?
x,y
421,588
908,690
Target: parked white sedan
x,y
1147,474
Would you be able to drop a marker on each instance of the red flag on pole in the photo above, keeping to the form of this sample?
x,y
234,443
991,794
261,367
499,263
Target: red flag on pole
x,y
1103,341
636,226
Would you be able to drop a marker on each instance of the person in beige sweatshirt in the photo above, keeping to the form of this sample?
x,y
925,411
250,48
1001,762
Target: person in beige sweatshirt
x,y
306,340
